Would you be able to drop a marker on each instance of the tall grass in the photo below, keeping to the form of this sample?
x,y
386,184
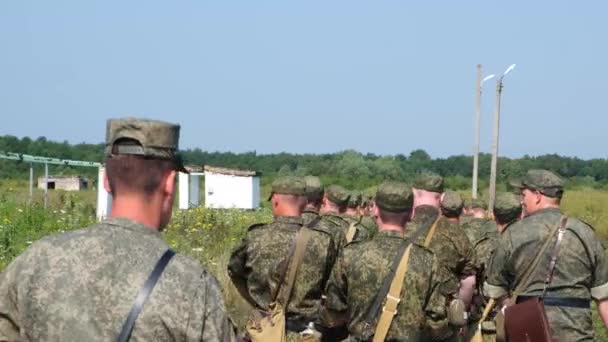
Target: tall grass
x,y
206,235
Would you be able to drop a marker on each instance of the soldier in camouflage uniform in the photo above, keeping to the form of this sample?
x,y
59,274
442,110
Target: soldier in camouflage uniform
x,y
335,202
449,243
581,273
256,265
474,219
355,216
362,267
507,209
314,199
80,285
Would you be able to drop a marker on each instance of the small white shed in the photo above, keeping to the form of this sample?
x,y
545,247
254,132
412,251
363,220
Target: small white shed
x,y
231,188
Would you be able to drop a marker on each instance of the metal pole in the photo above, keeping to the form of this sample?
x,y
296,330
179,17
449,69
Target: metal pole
x,y
31,182
495,147
46,185
477,127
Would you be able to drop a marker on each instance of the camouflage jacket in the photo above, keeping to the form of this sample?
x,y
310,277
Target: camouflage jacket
x,y
309,215
356,280
450,244
473,227
581,270
80,286
337,225
369,224
256,266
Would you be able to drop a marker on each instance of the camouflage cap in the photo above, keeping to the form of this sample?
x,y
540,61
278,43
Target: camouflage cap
x,y
451,204
476,203
288,185
147,138
314,188
543,181
429,182
395,197
355,199
507,207
337,194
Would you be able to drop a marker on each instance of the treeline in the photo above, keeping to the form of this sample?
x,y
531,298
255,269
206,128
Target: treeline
x,y
349,168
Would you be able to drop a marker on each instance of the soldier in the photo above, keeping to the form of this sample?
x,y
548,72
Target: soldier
x,y
314,199
81,285
451,206
368,220
355,218
474,219
581,271
335,202
507,210
447,240
256,265
361,269
354,204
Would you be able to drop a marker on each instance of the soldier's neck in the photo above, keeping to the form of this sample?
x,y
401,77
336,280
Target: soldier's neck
x,y
137,210
387,227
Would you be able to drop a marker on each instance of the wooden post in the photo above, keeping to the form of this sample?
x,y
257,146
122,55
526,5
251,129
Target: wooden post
x,y
495,147
477,127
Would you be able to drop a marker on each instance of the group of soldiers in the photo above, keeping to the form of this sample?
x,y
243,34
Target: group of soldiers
x,y
119,278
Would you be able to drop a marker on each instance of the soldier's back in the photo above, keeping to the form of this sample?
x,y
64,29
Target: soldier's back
x,y
263,255
449,243
359,274
474,228
309,215
580,274
80,286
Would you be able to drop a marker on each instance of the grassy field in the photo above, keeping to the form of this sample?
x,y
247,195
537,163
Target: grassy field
x,y
206,235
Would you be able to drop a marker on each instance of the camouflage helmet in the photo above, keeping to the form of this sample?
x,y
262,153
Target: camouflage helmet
x,y
543,181
337,194
476,203
288,185
142,137
451,204
314,188
429,182
355,199
507,207
394,197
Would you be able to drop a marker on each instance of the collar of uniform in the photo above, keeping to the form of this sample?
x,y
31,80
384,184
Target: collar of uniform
x,y
289,219
426,209
132,225
389,234
312,211
545,210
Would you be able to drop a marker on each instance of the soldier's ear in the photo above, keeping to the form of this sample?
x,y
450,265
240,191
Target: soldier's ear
x,y
168,183
106,182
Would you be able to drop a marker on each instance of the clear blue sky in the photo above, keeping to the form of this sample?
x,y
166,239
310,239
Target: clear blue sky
x,y
310,76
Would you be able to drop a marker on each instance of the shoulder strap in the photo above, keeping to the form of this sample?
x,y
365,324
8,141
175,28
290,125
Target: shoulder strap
x,y
392,298
350,233
301,240
530,270
429,236
555,253
143,295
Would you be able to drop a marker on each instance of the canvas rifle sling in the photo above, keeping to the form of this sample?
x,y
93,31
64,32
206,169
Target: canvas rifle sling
x,y
143,295
530,270
350,233
392,298
284,292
